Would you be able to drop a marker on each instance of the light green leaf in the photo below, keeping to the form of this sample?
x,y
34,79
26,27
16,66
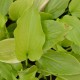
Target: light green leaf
x,y
58,78
3,30
6,71
45,16
18,7
17,66
77,56
56,7
4,6
74,8
3,33
76,49
7,51
72,77
3,20
29,74
58,63
29,36
74,34
69,77
54,32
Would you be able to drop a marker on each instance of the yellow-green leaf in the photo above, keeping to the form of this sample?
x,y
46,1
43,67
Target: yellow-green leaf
x,y
74,34
69,77
29,74
74,8
4,6
18,7
7,51
56,7
54,32
58,63
3,30
29,36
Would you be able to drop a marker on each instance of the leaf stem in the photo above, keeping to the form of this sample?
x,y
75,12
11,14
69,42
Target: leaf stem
x,y
50,77
40,76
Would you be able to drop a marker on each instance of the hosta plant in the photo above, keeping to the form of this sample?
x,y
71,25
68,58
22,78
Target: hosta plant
x,y
39,39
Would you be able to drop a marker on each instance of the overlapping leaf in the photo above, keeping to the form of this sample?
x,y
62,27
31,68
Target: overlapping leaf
x,y
45,16
54,31
72,77
29,74
74,34
3,30
29,36
58,63
7,51
56,7
4,6
76,49
42,4
74,8
11,29
6,71
18,7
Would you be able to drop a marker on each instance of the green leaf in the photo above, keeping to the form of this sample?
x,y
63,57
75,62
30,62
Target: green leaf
x,y
74,8
74,34
54,32
3,30
3,33
45,16
17,66
7,51
66,43
76,49
69,77
18,7
77,56
3,20
11,29
29,36
58,63
60,48
73,77
29,74
58,78
6,71
4,6
56,7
